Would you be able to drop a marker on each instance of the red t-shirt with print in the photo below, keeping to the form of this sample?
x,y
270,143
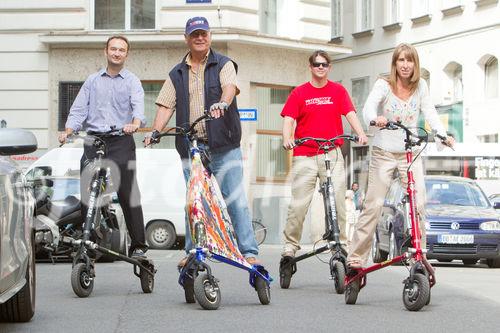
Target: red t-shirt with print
x,y
317,112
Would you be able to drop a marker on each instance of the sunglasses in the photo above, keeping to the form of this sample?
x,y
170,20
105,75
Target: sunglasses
x,y
322,64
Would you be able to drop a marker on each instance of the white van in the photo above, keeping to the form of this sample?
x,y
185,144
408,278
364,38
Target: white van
x,y
161,182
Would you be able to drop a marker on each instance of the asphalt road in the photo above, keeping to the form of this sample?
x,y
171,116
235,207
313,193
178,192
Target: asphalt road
x,y
466,299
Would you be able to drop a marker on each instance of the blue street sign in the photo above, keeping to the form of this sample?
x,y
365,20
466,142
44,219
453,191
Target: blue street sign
x,y
248,114
198,1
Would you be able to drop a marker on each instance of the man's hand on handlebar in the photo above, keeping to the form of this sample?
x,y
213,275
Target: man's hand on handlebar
x,y
151,138
130,128
217,109
63,136
362,139
288,143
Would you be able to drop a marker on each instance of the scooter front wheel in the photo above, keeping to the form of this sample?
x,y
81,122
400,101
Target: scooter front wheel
x,y
416,292
263,290
207,293
352,291
147,280
338,274
82,280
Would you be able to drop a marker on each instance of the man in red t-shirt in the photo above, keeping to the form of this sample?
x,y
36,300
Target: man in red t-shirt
x,y
315,109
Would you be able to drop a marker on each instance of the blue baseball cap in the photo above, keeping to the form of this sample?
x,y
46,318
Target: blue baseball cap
x,y
196,23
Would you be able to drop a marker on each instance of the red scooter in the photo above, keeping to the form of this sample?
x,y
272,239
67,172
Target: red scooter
x,y
417,287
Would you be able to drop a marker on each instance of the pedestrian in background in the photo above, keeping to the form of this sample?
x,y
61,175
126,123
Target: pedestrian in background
x,y
351,215
358,196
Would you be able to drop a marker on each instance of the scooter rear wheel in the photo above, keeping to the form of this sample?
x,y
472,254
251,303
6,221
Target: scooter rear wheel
x,y
352,291
206,293
416,292
147,280
82,280
263,290
338,274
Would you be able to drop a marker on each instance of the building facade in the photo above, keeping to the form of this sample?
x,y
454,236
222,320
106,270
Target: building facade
x,y
456,42
48,48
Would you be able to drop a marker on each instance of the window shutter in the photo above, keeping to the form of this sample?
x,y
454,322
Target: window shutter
x,y
67,95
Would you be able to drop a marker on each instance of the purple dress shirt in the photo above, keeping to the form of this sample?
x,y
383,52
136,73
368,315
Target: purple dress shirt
x,y
105,101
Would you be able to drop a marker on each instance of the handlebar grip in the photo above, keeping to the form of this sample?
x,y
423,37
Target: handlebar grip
x,y
354,138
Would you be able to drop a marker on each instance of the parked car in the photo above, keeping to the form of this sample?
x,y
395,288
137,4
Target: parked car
x,y
494,198
461,222
17,263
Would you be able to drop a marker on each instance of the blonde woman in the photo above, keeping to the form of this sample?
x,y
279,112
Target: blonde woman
x,y
402,96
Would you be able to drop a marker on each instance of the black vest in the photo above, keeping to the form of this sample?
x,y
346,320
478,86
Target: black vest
x,y
223,133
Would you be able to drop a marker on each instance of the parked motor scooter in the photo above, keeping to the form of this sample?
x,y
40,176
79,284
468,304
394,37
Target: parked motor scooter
x,y
58,217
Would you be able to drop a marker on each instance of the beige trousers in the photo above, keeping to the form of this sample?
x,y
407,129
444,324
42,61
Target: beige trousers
x,y
380,174
305,172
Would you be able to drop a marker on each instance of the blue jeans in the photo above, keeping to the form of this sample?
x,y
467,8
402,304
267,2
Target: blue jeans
x,y
228,170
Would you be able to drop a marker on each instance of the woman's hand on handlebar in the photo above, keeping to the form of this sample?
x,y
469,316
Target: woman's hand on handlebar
x,y
447,141
380,121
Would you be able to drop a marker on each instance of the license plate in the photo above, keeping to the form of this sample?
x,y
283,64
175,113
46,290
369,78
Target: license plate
x,y
456,239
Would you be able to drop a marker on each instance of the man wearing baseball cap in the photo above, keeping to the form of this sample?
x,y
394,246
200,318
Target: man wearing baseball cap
x,y
203,80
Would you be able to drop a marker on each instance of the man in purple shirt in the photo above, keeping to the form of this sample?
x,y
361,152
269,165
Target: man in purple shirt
x,y
113,97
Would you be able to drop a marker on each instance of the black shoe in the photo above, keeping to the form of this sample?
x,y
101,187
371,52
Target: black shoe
x,y
139,254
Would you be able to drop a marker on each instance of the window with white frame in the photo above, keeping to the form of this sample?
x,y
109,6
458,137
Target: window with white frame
x,y
360,91
336,18
365,14
393,11
268,16
419,8
488,138
454,92
124,14
273,161
491,78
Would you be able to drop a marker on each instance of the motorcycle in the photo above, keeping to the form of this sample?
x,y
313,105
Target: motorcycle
x,y
58,220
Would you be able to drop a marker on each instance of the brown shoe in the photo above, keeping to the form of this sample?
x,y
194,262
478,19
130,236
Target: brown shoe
x,y
253,261
182,263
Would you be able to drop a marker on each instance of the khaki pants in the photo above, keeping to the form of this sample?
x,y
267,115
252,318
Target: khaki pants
x,y
305,172
380,174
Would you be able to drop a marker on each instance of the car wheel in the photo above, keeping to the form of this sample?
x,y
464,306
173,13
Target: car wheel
x,y
469,262
377,254
21,306
493,263
393,251
160,235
